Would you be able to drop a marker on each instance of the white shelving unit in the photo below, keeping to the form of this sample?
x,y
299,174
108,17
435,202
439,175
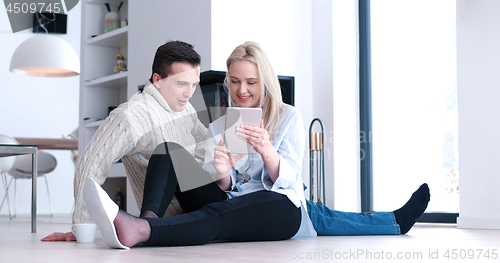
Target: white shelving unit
x,y
114,38
100,87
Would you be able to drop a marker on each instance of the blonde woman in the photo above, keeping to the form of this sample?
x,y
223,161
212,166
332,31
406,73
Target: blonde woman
x,y
252,83
255,197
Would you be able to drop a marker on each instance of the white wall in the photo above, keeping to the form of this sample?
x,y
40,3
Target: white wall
x,y
40,107
186,20
322,89
478,46
345,134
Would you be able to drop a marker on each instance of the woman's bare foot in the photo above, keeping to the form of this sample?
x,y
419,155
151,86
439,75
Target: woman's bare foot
x,y
131,230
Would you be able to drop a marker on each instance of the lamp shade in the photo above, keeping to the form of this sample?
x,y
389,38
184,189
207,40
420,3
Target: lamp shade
x,y
45,56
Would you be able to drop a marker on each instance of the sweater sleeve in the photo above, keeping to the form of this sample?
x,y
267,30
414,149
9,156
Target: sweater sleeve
x,y
112,140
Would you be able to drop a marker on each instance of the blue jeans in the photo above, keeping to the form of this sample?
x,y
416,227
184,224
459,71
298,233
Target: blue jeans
x,y
328,222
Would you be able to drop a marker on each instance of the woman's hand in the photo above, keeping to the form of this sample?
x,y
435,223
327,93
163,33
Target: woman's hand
x,y
259,139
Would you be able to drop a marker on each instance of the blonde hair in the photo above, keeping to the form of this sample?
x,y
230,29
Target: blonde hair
x,y
270,94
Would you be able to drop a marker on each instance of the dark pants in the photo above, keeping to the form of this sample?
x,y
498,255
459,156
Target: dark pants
x,y
259,216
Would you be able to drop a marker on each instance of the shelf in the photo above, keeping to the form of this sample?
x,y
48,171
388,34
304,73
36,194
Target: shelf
x,y
115,38
93,124
116,80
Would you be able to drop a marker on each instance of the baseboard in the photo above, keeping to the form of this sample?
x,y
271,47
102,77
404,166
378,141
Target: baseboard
x,y
478,223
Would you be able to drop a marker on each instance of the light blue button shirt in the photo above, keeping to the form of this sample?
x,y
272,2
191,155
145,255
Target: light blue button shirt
x,y
289,141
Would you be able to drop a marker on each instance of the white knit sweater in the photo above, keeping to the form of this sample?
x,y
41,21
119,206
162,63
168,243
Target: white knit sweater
x,y
131,133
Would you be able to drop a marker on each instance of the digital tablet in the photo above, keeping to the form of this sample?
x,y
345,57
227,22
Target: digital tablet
x,y
235,117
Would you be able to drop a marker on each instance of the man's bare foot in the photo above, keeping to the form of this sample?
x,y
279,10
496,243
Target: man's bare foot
x,y
131,230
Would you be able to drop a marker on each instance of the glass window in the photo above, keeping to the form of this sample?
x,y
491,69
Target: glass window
x,y
415,122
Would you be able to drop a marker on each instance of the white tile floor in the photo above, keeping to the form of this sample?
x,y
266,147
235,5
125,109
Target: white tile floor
x,y
424,243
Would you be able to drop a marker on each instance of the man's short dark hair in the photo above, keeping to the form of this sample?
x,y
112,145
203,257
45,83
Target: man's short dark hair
x,y
173,51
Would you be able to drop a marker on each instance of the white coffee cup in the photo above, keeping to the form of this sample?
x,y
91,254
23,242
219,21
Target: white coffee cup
x,y
84,233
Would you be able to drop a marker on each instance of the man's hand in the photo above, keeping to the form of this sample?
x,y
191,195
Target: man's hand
x,y
57,236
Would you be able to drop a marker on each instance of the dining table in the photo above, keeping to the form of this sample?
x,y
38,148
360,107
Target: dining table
x,y
31,145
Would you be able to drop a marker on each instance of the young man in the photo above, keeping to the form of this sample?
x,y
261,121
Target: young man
x,y
160,113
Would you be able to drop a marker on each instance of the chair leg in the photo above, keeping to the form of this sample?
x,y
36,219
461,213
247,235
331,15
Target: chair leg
x,y
6,189
15,197
5,195
48,195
